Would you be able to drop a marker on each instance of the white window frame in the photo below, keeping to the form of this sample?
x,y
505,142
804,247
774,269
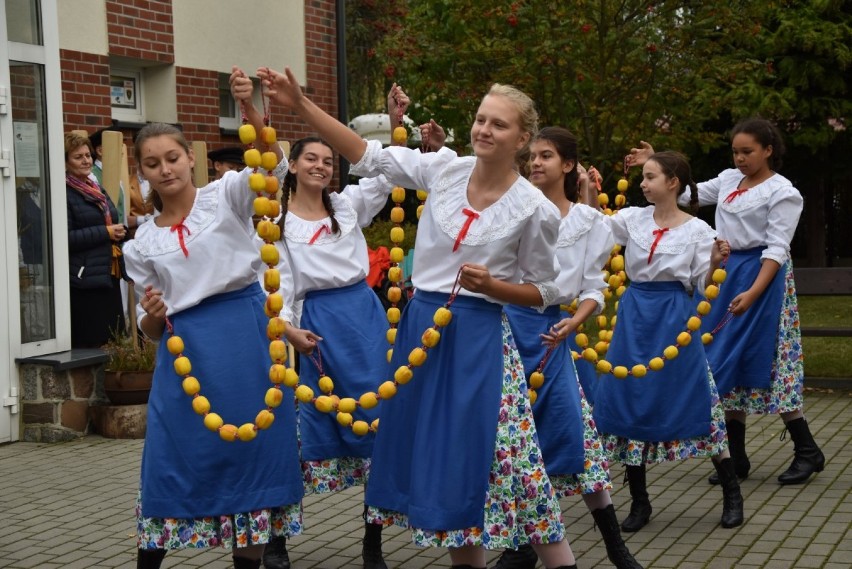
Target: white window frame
x,y
136,113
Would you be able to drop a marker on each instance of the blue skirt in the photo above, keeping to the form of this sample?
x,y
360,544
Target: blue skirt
x,y
743,351
433,452
557,411
671,404
586,372
187,470
353,325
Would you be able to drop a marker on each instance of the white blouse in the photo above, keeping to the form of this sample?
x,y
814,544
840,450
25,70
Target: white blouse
x,y
584,245
764,216
516,235
333,260
682,253
222,256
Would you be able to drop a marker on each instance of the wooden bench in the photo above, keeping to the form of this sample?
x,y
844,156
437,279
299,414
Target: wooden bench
x,y
824,281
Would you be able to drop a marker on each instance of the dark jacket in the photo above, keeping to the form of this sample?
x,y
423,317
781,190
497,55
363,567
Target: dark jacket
x,y
89,245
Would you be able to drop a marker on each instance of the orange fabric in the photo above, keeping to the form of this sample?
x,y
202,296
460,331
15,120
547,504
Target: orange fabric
x,y
379,264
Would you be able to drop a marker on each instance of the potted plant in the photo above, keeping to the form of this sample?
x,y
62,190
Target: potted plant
x,y
129,368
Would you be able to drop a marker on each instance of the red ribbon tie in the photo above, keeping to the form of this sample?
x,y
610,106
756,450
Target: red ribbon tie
x,y
471,215
181,229
658,235
318,233
733,195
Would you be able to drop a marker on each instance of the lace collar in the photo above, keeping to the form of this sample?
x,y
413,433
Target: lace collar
x,y
641,226
754,197
153,240
576,224
449,198
298,230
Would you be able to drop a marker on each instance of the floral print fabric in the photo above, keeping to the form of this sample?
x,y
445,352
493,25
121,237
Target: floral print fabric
x,y
237,530
521,505
787,375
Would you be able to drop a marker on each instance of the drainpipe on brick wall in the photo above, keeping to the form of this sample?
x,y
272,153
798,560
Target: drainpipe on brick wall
x,y
342,83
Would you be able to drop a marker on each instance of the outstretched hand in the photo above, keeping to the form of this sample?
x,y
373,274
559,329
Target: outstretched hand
x,y
282,88
638,156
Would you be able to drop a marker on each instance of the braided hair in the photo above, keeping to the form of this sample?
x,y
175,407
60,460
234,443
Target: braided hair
x,y
675,165
290,184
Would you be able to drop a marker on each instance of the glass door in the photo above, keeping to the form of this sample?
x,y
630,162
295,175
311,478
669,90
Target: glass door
x,y
32,198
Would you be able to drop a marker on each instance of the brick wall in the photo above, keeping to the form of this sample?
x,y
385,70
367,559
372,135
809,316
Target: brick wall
x,y
141,29
85,90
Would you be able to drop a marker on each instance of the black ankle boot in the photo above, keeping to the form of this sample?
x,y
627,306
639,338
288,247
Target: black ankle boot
x,y
616,549
640,507
149,558
732,498
371,551
275,553
522,558
808,457
736,445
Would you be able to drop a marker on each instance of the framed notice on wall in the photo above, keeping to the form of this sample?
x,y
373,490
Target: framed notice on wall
x,y
125,95
26,150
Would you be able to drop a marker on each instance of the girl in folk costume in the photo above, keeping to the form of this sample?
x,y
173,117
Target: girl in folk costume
x,y
195,267
343,326
572,451
673,413
757,357
483,483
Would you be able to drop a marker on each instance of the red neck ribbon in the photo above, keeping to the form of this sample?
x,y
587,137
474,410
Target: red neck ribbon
x,y
181,229
658,233
471,215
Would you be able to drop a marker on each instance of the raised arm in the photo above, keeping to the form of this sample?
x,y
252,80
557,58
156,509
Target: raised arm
x,y
241,89
284,89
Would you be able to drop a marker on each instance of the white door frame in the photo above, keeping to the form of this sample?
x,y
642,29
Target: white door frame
x,y
46,55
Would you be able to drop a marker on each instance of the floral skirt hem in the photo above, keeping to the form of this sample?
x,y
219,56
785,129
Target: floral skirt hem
x,y
334,474
231,531
784,393
635,453
520,505
595,475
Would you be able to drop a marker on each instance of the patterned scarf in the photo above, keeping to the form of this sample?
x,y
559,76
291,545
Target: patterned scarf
x,y
92,193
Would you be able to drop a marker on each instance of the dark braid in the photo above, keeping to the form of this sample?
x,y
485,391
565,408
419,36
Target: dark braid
x,y
693,196
326,201
289,185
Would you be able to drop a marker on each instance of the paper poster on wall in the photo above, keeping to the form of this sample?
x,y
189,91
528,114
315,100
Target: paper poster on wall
x,y
123,92
26,150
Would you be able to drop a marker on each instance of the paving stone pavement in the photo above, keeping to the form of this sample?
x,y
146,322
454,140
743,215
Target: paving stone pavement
x,y
70,505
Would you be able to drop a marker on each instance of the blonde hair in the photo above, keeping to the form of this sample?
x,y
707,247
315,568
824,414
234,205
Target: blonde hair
x,y
73,141
526,107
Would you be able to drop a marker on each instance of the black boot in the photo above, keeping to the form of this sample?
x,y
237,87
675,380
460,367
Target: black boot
x,y
246,563
149,558
275,553
372,547
616,549
640,508
732,498
808,458
522,558
736,444
465,567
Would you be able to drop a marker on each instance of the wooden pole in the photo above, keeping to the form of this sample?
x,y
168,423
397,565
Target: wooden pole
x,y
199,174
112,141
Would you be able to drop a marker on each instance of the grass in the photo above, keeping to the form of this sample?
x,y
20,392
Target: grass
x,y
826,357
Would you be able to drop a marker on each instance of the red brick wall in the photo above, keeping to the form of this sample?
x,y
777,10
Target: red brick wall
x,y
85,90
141,29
